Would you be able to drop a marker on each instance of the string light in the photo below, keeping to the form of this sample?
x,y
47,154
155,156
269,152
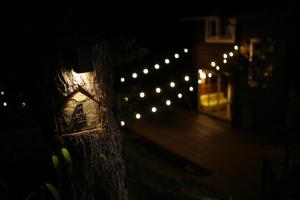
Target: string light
x,y
224,61
209,75
122,123
157,90
167,61
2,92
186,78
185,50
4,104
179,95
23,104
225,55
134,75
217,68
213,63
153,109
176,55
236,47
156,66
191,88
145,71
200,71
138,116
199,81
203,75
126,99
142,94
168,102
122,79
230,54
172,84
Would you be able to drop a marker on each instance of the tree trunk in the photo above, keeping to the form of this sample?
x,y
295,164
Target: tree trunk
x,y
86,126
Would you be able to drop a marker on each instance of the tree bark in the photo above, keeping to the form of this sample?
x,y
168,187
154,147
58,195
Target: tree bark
x,y
86,126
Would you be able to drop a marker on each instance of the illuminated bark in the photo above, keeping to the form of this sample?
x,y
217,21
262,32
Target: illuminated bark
x,y
86,126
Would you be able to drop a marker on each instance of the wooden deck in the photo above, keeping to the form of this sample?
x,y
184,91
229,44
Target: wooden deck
x,y
235,158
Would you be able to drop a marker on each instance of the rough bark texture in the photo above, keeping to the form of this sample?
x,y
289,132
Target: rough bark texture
x,y
89,134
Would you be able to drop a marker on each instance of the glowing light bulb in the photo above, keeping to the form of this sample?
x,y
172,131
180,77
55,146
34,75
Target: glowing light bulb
x,y
122,123
122,79
172,84
236,47
176,55
213,63
138,116
23,104
156,66
4,104
167,61
142,94
199,81
217,68
179,95
203,75
134,75
224,61
230,54
209,75
186,78
2,92
191,89
153,109
168,102
200,71
126,99
185,50
145,71
225,55
157,90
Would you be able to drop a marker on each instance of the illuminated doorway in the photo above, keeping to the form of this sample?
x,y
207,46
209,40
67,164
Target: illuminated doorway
x,y
215,94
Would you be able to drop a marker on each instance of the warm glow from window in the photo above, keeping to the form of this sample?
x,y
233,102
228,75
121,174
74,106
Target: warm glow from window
x,y
134,75
153,109
168,102
142,94
186,78
179,95
145,71
185,50
122,123
167,61
157,90
122,79
172,84
156,66
176,55
191,88
213,63
138,116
